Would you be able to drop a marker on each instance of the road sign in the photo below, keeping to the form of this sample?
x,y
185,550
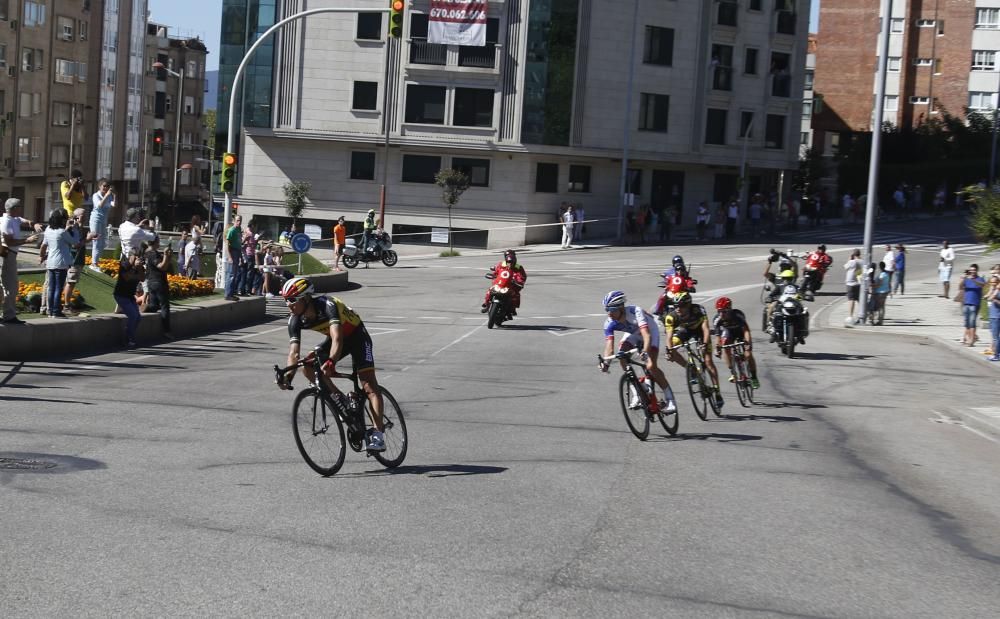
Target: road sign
x,y
301,243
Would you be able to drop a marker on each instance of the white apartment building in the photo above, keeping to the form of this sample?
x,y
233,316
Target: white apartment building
x,y
537,118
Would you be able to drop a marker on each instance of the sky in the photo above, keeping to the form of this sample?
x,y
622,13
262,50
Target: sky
x,y
203,18
190,18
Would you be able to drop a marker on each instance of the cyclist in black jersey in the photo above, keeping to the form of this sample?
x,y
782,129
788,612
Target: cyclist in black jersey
x,y
731,326
345,335
688,320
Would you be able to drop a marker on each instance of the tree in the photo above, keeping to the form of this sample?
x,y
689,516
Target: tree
x,y
985,220
296,194
453,183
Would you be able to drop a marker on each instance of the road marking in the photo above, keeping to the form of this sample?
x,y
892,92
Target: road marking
x,y
433,318
441,350
392,317
944,419
558,333
991,412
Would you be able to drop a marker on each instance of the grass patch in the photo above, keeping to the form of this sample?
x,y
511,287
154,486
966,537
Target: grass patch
x,y
448,253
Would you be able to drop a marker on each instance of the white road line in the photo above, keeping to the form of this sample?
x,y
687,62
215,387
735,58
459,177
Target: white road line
x,y
392,317
441,350
944,419
433,318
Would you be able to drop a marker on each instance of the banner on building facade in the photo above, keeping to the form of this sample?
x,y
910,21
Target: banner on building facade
x,y
457,22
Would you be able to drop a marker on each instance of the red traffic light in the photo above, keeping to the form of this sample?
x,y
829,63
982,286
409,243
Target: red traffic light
x,y
397,5
157,139
229,159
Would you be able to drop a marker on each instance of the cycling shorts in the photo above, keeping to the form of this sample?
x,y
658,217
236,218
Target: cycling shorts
x,y
731,335
683,335
358,346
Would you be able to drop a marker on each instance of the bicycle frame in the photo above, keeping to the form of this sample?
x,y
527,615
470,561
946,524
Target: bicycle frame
x,y
356,421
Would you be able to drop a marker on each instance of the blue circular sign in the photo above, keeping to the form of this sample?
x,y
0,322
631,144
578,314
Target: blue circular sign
x,y
301,243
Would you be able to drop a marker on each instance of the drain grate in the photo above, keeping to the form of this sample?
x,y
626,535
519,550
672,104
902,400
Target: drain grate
x,y
25,464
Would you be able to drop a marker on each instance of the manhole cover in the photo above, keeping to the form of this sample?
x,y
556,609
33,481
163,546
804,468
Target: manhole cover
x,y
25,464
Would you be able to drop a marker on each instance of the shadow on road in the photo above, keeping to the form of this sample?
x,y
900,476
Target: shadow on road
x,y
830,356
788,405
510,327
770,418
716,437
434,470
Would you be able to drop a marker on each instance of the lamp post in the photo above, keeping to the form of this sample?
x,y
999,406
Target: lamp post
x,y
178,111
627,129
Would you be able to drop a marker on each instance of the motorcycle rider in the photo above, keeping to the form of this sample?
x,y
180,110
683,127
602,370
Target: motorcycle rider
x,y
676,279
518,278
786,261
730,326
685,321
785,278
643,334
817,263
368,230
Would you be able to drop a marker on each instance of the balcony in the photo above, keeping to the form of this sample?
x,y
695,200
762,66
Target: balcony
x,y
422,52
722,78
483,57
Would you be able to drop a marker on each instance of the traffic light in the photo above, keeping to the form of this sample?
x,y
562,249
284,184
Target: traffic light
x,y
157,142
396,18
227,179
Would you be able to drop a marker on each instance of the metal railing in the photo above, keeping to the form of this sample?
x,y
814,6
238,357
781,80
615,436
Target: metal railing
x,y
422,52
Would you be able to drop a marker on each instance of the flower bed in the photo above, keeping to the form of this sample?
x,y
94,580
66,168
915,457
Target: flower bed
x,y
180,287
29,297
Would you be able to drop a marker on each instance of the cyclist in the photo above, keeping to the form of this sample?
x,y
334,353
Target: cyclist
x,y
686,320
642,334
518,277
345,335
730,326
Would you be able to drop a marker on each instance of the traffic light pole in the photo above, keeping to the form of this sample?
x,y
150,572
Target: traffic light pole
x,y
387,119
231,136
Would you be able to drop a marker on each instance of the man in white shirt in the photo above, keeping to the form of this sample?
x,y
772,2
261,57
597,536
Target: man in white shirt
x,y
11,224
944,266
890,260
852,280
134,231
568,222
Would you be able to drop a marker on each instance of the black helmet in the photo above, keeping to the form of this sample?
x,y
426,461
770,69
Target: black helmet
x,y
678,260
822,248
510,256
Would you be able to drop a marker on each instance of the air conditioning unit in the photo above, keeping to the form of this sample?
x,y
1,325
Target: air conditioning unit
x,y
67,36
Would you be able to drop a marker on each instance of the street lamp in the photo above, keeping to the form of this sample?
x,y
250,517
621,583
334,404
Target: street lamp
x,y
178,110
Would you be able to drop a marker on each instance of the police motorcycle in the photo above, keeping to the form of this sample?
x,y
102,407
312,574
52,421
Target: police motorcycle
x,y
379,248
789,323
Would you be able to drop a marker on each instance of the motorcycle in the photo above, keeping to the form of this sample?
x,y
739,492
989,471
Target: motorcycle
x,y
789,321
812,281
501,300
379,248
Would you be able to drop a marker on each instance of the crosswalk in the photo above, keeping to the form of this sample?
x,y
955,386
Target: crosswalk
x,y
921,242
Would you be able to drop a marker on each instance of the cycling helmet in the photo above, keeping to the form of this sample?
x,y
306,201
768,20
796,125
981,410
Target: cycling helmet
x,y
723,303
682,298
614,300
296,288
510,256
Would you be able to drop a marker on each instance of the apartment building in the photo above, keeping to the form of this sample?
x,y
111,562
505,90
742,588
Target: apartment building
x,y
942,57
49,95
538,117
176,162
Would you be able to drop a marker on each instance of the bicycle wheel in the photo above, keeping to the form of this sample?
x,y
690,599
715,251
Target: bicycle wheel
x,y
394,430
637,419
742,381
695,388
708,392
670,421
319,434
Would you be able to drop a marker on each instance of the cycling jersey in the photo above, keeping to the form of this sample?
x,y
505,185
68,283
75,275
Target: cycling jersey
x,y
695,318
329,311
632,322
730,329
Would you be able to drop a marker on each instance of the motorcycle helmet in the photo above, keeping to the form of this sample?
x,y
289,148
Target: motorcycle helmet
x,y
296,288
787,275
822,248
677,261
682,298
723,303
614,300
510,256
371,211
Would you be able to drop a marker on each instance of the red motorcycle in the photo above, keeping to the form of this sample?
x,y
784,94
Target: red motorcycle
x,y
501,300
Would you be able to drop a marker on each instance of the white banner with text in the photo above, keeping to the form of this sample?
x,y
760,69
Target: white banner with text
x,y
457,22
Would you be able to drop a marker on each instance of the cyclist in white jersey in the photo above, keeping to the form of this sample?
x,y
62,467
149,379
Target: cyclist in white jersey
x,y
642,334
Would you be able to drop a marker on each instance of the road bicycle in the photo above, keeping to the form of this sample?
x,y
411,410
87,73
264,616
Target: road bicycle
x,y
319,421
699,381
740,372
645,388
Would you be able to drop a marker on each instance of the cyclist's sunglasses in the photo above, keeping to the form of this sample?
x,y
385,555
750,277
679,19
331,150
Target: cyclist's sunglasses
x,y
294,300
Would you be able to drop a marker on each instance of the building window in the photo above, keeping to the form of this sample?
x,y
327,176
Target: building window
x,y
728,10
750,61
807,108
61,113
981,100
894,63
58,156
362,166
774,133
32,59
715,127
3,54
81,71
809,80
64,28
722,67
547,178
169,103
24,149
365,96
925,23
653,112
369,27
804,138
482,56
891,103
189,105
923,62
746,124
984,60
785,10
84,29
420,168
919,100
478,170
896,24
754,5
988,18
24,109
579,178
425,104
422,52
473,107
781,76
34,13
659,46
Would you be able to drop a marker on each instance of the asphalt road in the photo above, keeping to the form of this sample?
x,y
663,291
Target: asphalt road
x,y
175,487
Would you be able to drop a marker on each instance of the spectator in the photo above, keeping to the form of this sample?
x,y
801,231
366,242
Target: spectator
x,y
134,231
719,225
72,193
60,243
732,216
701,220
881,285
630,227
852,280
890,263
197,225
899,197
158,265
270,270
848,205
247,260
104,201
11,224
993,298
233,247
339,242
939,200
579,225
756,210
79,258
641,221
192,255
181,252
947,260
567,218
972,297
899,256
129,275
